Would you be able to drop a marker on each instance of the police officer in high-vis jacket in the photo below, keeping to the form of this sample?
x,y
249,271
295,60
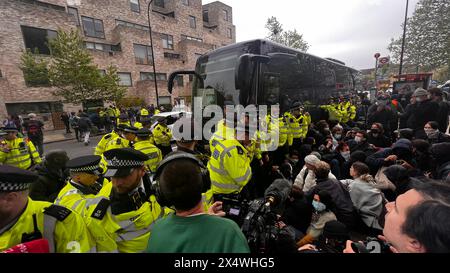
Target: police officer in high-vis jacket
x,y
17,151
122,216
86,180
36,224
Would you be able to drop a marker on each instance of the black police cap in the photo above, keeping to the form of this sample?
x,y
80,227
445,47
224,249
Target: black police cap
x,y
130,129
85,164
15,179
122,161
144,132
10,128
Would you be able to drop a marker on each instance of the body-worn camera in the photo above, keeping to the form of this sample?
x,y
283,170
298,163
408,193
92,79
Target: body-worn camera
x,y
371,245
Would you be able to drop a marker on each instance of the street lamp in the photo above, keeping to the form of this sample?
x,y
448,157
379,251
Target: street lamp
x,y
377,55
153,55
404,37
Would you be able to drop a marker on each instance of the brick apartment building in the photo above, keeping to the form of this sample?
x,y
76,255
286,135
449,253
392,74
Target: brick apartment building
x,y
116,33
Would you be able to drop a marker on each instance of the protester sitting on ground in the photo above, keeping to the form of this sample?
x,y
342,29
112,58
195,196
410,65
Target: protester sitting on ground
x,y
367,199
399,176
322,213
377,137
434,136
441,155
306,179
344,209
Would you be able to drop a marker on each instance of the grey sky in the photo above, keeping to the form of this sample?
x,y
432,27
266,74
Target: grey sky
x,y
348,30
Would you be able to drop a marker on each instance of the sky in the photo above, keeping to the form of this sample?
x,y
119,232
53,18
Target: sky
x,y
348,30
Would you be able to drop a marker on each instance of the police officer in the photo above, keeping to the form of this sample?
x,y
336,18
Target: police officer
x,y
145,145
122,221
17,151
126,139
162,136
143,113
296,125
123,119
24,221
229,165
86,180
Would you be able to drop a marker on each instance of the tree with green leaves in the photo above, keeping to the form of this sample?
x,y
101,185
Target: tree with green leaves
x,y
34,69
75,76
290,38
427,44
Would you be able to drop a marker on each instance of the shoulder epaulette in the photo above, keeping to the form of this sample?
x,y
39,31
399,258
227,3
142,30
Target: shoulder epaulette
x,y
59,212
240,150
100,209
108,136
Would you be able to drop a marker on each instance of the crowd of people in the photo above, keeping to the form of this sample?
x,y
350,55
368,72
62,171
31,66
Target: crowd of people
x,y
378,170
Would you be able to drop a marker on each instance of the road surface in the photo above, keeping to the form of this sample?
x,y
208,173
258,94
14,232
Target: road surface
x,y
74,148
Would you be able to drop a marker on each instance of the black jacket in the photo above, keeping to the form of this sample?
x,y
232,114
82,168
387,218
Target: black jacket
x,y
418,114
50,182
442,115
344,210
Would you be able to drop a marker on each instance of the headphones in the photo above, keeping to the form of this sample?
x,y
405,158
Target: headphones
x,y
160,198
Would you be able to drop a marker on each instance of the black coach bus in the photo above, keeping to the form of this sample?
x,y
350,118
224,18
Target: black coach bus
x,y
262,72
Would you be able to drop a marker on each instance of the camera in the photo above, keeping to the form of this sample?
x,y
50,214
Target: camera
x,y
371,245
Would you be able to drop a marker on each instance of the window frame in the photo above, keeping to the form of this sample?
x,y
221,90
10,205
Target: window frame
x,y
46,49
120,80
148,56
205,18
229,33
225,14
134,5
192,21
77,15
163,35
94,23
185,2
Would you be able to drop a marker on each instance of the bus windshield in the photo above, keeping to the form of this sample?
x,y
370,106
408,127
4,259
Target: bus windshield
x,y
218,74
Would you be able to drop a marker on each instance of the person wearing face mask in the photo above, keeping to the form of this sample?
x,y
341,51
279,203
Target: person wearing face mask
x,y
433,134
377,138
322,213
383,112
419,113
360,143
337,135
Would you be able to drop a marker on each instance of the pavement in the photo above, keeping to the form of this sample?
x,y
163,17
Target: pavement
x,y
61,135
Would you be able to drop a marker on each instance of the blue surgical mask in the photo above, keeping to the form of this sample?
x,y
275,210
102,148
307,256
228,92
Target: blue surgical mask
x,y
318,206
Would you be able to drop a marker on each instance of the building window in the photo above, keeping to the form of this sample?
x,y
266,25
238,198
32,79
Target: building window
x,y
102,47
225,14
159,3
191,78
185,2
229,33
171,55
179,80
134,5
36,39
149,76
192,22
125,79
167,41
143,54
205,16
93,27
184,37
133,25
73,12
